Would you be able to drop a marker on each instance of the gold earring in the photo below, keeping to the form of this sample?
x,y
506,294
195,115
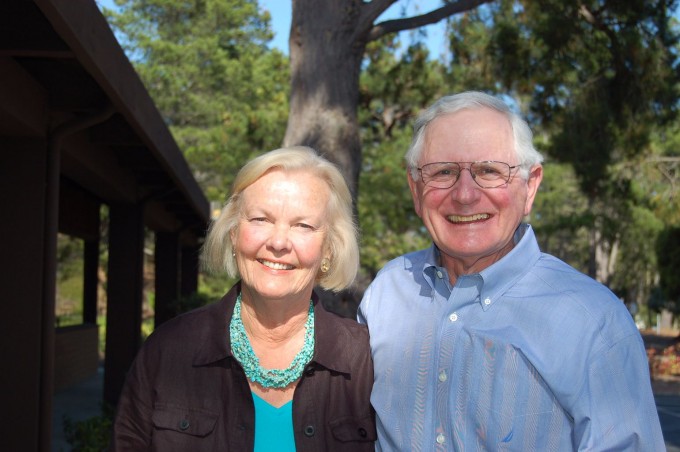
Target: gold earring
x,y
325,265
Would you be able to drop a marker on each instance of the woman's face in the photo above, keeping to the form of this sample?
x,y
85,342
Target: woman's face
x,y
280,237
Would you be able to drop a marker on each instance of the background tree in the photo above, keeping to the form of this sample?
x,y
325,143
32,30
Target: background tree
x,y
669,266
597,80
206,64
393,86
327,48
221,91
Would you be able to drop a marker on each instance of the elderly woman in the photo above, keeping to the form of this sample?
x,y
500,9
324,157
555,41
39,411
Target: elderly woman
x,y
266,368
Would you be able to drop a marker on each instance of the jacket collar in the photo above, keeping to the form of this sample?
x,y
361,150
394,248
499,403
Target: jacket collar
x,y
328,350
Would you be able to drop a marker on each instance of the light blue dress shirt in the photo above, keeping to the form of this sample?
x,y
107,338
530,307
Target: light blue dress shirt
x,y
528,355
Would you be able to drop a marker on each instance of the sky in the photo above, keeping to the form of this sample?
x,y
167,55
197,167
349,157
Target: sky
x,y
281,15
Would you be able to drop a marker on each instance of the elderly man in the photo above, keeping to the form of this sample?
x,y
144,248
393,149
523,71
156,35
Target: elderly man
x,y
483,342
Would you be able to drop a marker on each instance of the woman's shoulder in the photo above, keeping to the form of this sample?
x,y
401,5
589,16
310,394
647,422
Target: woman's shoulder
x,y
341,328
188,326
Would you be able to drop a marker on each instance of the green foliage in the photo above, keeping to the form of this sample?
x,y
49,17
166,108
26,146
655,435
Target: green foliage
x,y
188,302
213,287
599,74
668,248
393,89
69,299
223,94
599,83
597,80
560,216
92,434
389,225
637,258
658,173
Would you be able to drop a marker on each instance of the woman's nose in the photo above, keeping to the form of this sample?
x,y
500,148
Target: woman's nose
x,y
280,240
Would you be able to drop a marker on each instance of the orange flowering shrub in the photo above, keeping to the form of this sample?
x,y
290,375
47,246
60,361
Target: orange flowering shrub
x,y
666,362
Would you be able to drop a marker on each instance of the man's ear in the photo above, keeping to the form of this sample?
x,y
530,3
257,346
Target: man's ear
x,y
533,182
415,192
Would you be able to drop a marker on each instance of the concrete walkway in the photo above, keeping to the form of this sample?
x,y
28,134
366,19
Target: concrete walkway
x,y
82,401
668,407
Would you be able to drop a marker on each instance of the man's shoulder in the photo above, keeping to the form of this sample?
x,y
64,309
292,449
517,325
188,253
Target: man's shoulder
x,y
575,292
398,280
405,263
563,277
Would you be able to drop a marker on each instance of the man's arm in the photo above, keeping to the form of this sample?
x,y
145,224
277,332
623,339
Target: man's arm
x,y
616,408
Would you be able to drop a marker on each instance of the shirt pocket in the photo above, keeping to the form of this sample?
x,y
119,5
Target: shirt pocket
x,y
186,421
351,428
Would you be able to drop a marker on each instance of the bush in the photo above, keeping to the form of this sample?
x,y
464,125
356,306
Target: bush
x,y
92,434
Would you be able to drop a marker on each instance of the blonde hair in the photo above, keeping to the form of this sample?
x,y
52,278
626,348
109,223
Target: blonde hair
x,y
341,241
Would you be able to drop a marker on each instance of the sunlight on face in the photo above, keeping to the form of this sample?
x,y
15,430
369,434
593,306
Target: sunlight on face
x,y
280,237
472,226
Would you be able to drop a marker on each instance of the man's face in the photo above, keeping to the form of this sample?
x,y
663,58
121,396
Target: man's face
x,y
472,226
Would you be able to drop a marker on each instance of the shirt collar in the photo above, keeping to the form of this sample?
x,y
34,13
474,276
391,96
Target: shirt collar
x,y
216,343
496,279
502,275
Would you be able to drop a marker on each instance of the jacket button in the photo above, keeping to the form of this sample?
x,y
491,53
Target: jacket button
x,y
309,372
309,431
362,432
184,424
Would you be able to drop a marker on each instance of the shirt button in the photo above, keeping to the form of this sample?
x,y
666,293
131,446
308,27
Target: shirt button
x,y
442,376
184,424
440,275
309,431
487,301
453,317
441,439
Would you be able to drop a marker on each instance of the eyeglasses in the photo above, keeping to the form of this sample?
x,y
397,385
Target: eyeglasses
x,y
487,174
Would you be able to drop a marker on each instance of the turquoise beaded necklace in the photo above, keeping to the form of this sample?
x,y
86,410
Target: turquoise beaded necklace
x,y
269,378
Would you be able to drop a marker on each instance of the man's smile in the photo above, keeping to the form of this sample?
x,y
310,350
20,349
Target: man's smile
x,y
468,218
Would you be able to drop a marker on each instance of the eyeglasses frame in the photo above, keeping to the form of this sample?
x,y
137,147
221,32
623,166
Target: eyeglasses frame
x,y
468,168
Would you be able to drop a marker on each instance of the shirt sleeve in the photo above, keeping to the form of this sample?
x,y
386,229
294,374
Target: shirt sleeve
x,y
616,409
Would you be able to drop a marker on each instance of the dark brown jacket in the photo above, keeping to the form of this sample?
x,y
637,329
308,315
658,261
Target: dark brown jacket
x,y
186,392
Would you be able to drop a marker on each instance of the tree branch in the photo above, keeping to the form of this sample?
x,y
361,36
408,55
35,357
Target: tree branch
x,y
434,16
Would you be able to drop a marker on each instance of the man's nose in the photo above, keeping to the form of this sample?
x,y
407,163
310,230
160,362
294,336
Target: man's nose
x,y
465,190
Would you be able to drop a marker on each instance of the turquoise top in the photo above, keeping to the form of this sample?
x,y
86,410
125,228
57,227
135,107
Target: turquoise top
x,y
273,427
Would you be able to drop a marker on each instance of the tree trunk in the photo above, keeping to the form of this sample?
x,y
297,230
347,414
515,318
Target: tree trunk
x,y
326,50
